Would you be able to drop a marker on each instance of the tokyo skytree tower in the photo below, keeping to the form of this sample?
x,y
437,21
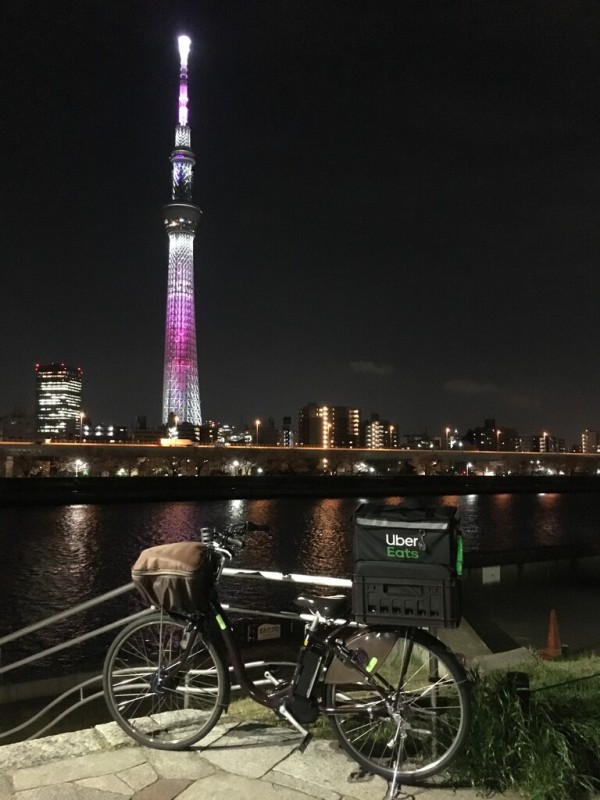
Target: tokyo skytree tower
x,y
181,393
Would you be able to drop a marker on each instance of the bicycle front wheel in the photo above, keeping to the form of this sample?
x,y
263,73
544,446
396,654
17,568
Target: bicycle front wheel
x,y
164,684
416,720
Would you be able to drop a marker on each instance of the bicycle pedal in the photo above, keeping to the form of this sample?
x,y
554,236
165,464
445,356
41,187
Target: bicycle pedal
x,y
272,679
360,776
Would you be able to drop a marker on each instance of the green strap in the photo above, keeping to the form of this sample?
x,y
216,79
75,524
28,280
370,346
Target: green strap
x,y
459,555
372,664
222,623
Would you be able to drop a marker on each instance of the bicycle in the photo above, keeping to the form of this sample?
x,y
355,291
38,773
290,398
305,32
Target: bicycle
x,y
397,698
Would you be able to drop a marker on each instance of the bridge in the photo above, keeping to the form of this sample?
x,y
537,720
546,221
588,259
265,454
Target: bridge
x,y
24,459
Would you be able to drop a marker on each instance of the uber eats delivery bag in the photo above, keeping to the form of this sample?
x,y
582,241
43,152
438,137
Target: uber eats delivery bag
x,y
176,577
407,563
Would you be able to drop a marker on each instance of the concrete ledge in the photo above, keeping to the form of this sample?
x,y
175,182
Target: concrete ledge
x,y
504,661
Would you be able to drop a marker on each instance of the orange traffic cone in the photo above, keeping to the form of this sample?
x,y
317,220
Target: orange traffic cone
x,y
553,646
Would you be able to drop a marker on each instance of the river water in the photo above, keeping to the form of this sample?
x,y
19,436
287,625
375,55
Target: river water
x,y
54,558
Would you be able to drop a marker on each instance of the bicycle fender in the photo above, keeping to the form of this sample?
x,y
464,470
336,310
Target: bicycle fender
x,y
375,647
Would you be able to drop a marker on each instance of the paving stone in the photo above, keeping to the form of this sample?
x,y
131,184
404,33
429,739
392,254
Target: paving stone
x,y
180,764
73,769
37,751
113,736
224,786
217,733
251,749
108,783
163,789
138,777
5,787
323,769
66,791
291,782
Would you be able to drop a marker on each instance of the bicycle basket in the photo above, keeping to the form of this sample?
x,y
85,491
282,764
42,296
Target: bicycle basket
x,y
176,577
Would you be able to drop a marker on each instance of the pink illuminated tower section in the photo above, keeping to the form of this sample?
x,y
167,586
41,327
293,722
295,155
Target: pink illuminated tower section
x,y
181,393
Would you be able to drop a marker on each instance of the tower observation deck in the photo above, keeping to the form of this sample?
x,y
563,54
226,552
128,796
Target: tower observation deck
x,y
181,393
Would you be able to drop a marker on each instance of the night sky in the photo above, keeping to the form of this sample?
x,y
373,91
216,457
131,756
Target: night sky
x,y
401,206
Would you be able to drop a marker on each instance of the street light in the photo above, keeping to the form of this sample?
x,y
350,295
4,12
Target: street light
x,y
257,423
498,439
447,438
81,416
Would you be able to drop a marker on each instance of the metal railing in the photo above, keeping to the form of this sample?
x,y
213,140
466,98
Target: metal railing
x,y
77,696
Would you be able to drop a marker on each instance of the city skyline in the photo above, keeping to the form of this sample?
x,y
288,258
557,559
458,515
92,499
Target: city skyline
x,y
400,200
59,415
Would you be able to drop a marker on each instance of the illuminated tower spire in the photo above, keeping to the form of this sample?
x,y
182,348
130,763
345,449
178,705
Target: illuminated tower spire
x,y
181,393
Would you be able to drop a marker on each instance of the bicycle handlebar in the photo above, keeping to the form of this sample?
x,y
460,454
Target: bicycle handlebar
x,y
252,526
232,537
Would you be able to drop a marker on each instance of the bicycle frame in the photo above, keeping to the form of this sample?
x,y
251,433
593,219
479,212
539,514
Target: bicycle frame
x,y
343,662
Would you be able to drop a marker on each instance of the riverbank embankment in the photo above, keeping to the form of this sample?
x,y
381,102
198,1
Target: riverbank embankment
x,y
65,491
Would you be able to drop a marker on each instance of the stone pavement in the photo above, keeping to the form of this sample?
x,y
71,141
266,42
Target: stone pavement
x,y
245,760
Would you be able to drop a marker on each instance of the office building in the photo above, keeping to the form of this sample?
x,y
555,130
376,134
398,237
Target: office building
x,y
58,401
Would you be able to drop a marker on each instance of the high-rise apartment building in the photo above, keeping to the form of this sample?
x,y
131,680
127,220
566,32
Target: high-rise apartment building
x,y
57,400
590,442
328,426
17,426
181,393
286,435
345,429
378,433
314,426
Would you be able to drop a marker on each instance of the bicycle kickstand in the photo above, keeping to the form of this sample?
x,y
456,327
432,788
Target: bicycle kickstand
x,y
395,792
393,788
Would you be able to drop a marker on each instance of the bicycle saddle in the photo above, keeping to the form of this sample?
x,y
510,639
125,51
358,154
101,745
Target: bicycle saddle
x,y
325,606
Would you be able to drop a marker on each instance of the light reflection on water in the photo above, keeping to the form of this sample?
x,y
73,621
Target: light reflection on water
x,y
54,558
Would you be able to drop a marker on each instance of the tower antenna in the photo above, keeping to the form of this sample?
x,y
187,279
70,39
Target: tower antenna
x,y
184,50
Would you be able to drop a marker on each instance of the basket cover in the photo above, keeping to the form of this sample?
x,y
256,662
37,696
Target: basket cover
x,y
176,577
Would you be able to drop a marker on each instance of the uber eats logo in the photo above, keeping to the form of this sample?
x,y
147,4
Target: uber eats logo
x,y
405,547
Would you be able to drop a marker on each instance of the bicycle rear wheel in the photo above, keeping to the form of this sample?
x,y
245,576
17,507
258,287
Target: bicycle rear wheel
x,y
158,702
419,725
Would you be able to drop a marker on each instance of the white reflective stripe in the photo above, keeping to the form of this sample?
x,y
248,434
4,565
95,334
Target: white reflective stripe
x,y
389,523
164,573
317,580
